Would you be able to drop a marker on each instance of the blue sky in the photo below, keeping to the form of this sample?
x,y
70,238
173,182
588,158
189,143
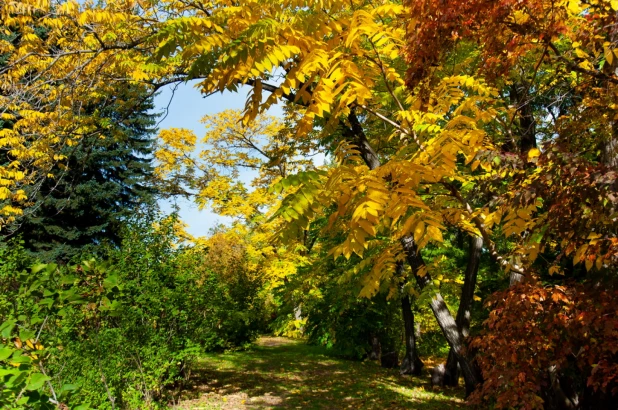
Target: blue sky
x,y
185,107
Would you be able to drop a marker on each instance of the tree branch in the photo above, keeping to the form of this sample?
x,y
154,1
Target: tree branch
x,y
577,68
491,246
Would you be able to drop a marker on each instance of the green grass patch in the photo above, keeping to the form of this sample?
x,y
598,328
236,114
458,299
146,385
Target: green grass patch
x,y
285,373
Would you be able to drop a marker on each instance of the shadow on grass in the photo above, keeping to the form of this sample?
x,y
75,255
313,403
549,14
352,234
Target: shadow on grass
x,y
284,373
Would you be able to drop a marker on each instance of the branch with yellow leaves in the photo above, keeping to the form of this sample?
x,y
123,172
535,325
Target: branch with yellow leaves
x,y
575,67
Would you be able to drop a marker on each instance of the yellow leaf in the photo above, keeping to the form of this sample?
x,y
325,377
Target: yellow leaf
x,y
609,55
533,153
419,230
614,5
594,235
367,227
589,263
580,252
434,233
422,271
574,6
374,205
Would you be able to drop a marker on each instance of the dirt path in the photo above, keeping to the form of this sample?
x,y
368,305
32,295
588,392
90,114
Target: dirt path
x,y
284,373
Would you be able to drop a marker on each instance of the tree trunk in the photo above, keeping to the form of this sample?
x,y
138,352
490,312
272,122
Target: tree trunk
x,y
389,357
412,363
451,375
515,278
609,148
375,347
443,316
526,130
527,123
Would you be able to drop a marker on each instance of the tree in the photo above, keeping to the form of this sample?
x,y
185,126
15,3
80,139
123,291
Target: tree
x,y
210,170
103,181
552,194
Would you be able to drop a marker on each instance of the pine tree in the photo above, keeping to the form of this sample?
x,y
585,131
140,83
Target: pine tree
x,y
106,180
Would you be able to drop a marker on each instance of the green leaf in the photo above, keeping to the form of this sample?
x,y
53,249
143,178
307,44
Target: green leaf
x,y
18,378
6,328
5,353
69,387
68,279
111,281
6,372
71,296
48,302
39,267
275,188
26,334
20,358
24,400
37,381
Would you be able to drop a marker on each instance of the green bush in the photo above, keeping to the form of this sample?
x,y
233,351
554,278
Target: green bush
x,y
119,332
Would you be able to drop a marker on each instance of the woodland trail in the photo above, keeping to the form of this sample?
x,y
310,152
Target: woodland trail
x,y
288,374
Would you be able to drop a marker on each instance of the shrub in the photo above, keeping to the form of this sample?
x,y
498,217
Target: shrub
x,y
543,343
118,331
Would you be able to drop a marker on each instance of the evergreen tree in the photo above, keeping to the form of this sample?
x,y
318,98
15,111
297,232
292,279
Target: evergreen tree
x,y
103,180
106,179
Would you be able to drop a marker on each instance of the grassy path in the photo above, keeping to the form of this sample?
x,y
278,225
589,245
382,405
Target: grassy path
x,y
284,373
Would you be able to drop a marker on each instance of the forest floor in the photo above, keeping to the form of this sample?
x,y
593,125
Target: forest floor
x,y
284,373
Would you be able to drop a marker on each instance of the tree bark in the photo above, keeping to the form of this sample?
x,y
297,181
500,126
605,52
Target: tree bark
x,y
443,316
375,347
356,135
411,363
609,148
451,375
527,123
389,356
527,137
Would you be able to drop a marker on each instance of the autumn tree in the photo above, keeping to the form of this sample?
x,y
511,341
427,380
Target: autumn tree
x,y
209,168
551,193
208,171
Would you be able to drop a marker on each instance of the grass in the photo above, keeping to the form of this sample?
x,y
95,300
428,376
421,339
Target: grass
x,y
285,373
